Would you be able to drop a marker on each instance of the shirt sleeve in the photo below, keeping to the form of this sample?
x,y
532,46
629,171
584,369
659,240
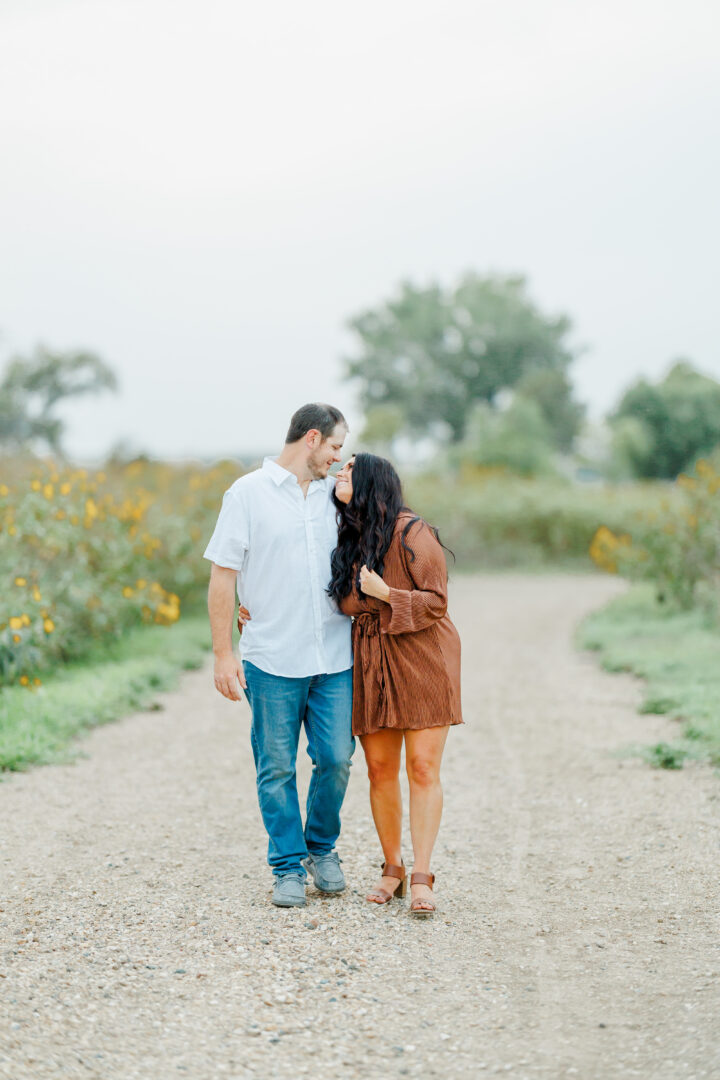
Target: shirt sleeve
x,y
407,610
230,541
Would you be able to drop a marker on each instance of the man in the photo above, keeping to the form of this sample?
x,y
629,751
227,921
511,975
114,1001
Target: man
x,y
273,541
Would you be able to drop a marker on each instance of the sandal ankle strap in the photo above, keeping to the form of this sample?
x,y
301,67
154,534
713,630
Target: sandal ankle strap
x,y
418,878
393,871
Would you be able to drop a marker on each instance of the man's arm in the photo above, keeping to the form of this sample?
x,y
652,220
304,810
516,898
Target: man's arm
x,y
221,608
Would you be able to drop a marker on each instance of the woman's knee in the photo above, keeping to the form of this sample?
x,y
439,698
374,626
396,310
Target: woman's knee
x,y
423,771
383,770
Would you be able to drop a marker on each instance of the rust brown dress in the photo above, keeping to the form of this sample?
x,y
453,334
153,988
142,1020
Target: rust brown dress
x,y
406,671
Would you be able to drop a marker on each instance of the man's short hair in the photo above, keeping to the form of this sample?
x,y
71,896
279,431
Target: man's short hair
x,y
315,416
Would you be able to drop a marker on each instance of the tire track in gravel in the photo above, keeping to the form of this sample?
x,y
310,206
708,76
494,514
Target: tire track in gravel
x,y
578,925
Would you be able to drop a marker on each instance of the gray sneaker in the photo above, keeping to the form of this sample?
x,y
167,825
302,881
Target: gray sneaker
x,y
326,872
289,891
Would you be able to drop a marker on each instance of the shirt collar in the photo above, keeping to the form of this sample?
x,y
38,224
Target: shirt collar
x,y
280,475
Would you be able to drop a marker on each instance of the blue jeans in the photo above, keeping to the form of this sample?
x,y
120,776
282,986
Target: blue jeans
x,y
280,706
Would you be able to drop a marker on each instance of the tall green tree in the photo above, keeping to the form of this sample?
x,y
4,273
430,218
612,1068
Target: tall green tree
x,y
675,421
32,388
434,353
551,390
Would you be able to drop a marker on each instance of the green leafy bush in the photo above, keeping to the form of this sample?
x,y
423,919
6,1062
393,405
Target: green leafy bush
x,y
675,545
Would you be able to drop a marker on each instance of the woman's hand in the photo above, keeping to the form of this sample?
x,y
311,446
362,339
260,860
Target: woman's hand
x,y
373,585
243,618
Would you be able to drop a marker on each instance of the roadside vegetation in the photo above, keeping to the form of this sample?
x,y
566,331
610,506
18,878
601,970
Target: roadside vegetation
x,y
97,568
86,556
667,628
114,678
677,653
494,519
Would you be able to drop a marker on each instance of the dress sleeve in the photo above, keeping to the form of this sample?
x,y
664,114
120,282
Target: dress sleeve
x,y
230,541
407,610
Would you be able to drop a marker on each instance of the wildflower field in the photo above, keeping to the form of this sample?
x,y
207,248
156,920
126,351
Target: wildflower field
x,y
87,555
96,565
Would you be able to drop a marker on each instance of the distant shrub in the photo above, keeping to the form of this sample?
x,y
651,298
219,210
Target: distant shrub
x,y
675,545
492,518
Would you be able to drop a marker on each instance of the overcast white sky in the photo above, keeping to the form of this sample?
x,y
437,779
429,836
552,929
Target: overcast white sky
x,y
203,192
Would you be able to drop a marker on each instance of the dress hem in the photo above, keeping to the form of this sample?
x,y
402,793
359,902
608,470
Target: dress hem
x,y
408,727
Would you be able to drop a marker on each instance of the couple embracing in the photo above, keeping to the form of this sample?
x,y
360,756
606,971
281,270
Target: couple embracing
x,y
343,610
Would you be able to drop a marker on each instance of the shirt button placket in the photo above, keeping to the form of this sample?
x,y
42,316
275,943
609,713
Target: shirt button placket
x,y
314,581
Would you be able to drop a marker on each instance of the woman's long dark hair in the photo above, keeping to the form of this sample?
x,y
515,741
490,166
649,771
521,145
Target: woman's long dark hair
x,y
366,524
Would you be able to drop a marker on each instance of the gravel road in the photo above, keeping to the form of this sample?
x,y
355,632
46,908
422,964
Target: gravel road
x,y
578,932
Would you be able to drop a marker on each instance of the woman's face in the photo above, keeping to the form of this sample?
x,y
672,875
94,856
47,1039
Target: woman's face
x,y
343,482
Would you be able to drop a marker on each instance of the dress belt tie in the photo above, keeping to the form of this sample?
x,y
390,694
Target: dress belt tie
x,y
372,662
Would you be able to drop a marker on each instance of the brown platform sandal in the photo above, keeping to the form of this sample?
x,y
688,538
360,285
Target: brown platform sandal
x,y
422,912
382,895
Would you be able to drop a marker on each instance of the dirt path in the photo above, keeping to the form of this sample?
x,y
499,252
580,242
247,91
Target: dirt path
x,y
579,926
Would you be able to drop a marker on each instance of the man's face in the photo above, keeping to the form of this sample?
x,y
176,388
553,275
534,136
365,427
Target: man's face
x,y
327,453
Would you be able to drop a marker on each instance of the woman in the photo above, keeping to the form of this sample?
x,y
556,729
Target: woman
x,y
389,573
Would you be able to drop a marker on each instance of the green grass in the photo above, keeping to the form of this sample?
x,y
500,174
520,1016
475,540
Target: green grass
x,y
678,654
115,679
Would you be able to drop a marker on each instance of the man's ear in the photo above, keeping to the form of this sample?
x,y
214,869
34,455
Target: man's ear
x,y
313,438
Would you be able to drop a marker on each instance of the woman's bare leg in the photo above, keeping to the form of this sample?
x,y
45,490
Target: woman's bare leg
x,y
382,754
423,754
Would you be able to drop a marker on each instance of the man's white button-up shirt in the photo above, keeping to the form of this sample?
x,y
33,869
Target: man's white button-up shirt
x,y
280,542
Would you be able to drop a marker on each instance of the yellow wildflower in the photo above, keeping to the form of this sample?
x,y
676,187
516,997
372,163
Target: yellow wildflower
x,y
4,490
16,638
167,611
65,489
36,485
15,622
20,581
604,546
36,595
25,619
127,592
37,682
24,680
48,626
48,491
